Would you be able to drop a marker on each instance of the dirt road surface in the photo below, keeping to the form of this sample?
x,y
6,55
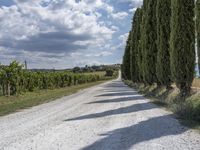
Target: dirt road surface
x,y
110,116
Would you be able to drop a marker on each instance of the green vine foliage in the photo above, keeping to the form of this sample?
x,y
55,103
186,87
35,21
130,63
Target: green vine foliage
x,y
14,80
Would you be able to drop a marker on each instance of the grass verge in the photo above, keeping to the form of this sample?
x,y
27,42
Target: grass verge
x,y
187,110
29,99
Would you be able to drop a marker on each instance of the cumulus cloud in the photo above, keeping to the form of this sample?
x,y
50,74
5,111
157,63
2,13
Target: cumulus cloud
x,y
55,26
59,30
119,15
123,37
136,2
132,10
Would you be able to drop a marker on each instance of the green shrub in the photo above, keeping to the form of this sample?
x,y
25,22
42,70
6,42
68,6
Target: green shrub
x,y
109,72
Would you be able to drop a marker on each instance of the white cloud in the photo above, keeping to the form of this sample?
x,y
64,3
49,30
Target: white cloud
x,y
32,21
101,54
123,37
119,15
59,32
132,10
114,28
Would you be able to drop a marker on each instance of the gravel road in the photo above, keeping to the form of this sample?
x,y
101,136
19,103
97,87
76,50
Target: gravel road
x,y
110,116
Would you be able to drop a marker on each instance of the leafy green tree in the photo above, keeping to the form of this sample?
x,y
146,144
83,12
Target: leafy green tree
x,y
149,41
182,44
76,69
10,78
163,14
198,29
109,72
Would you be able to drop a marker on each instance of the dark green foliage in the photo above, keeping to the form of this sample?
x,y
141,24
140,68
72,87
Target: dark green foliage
x,y
141,44
198,29
161,45
109,72
135,38
10,78
76,69
182,44
126,73
163,14
149,41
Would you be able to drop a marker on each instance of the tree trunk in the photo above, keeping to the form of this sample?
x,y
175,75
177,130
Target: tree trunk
x,y
184,90
8,86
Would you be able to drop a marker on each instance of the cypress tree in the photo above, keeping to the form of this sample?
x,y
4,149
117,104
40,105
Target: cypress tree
x,y
198,30
142,50
149,41
182,44
135,37
163,14
126,74
139,47
132,51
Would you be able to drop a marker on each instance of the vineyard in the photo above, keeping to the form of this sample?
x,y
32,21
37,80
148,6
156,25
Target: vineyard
x,y
15,80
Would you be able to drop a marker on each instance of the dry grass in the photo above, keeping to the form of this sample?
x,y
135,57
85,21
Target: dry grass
x,y
101,73
187,109
196,83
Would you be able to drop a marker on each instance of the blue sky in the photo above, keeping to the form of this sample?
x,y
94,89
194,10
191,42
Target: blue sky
x,y
64,33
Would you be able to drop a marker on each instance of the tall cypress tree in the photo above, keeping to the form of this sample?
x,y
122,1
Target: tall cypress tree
x,y
135,37
142,44
163,14
126,74
132,50
149,43
198,30
139,46
182,44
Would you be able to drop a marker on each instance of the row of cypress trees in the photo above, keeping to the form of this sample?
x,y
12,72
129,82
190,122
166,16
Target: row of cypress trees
x,y
161,44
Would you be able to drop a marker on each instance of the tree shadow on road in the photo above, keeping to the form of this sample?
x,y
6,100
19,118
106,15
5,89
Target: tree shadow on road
x,y
117,88
122,110
118,93
126,138
116,84
108,90
115,100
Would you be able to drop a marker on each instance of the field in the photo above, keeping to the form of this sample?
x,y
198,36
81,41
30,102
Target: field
x,y
29,99
14,80
20,88
100,73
